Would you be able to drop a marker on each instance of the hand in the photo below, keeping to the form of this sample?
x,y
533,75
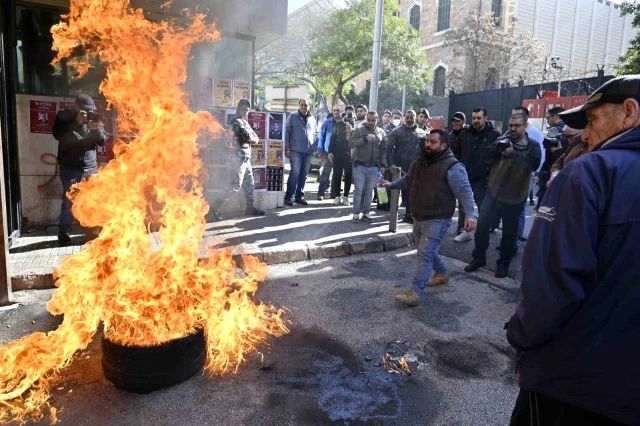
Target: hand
x,y
382,170
385,184
330,157
94,126
348,127
470,224
371,138
287,154
507,152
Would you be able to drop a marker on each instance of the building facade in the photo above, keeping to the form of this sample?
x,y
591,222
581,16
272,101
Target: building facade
x,y
580,36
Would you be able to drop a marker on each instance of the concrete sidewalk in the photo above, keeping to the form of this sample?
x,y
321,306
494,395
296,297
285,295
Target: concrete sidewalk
x,y
319,230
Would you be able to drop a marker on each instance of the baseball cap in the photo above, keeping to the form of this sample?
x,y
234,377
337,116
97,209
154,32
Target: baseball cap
x,y
612,92
397,112
85,102
458,116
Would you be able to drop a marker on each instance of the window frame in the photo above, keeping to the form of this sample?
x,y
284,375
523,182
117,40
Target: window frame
x,y
444,12
439,87
412,23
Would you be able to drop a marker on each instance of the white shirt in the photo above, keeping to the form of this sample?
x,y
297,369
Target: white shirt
x,y
537,136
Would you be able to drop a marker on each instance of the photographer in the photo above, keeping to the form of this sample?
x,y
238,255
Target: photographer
x,y
554,145
77,131
340,155
511,160
575,149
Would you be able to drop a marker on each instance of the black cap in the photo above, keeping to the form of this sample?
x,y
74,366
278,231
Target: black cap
x,y
614,91
459,116
86,103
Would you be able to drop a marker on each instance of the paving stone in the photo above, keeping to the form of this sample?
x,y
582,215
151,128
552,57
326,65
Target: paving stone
x,y
328,251
287,254
375,245
394,242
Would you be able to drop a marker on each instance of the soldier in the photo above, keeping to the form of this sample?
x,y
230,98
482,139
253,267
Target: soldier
x,y
243,138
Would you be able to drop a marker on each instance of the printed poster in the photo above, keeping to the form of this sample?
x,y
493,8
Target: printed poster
x,y
275,177
66,105
42,116
275,154
257,121
204,92
241,90
223,93
258,155
260,178
276,125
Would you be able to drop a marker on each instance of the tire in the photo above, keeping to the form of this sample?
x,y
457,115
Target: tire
x,y
144,369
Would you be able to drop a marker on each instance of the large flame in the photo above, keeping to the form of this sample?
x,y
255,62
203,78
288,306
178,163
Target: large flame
x,y
143,297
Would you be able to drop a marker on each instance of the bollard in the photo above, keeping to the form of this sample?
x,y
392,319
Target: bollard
x,y
394,199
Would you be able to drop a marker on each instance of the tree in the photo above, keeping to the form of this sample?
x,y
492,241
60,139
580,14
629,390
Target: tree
x,y
630,61
493,56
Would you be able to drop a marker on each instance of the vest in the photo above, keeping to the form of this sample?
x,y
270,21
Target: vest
x,y
430,194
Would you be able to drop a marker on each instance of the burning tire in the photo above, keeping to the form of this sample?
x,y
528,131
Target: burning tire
x,y
148,368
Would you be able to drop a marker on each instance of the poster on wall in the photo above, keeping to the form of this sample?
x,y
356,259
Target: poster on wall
x,y
66,105
42,116
260,178
258,154
223,93
258,121
275,176
274,154
276,125
241,90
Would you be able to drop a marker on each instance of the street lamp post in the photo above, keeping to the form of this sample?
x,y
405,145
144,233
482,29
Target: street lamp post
x,y
375,66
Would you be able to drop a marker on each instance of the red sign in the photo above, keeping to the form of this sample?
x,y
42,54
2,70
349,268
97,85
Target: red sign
x,y
66,105
42,116
579,100
257,120
436,122
260,178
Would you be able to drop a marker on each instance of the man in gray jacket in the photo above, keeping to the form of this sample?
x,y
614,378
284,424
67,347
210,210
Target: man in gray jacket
x,y
299,141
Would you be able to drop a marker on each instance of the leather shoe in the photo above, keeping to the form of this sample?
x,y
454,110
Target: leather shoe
x,y
302,202
475,265
502,270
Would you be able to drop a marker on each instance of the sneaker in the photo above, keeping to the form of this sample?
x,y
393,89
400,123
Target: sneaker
x,y
407,218
475,265
437,280
409,298
502,270
288,203
254,211
320,197
337,201
302,202
367,218
64,240
355,218
463,237
345,201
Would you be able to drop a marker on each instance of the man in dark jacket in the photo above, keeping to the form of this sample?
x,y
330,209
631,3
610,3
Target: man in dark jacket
x,y
340,156
469,148
458,124
436,180
577,327
77,138
242,174
396,121
512,160
403,148
554,146
324,142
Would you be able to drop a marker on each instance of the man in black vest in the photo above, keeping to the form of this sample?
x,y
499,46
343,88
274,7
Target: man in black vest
x,y
435,181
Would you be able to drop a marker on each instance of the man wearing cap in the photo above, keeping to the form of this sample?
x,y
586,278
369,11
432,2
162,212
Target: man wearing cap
x,y
242,173
77,138
577,326
423,119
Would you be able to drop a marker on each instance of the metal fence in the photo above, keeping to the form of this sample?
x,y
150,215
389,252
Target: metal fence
x,y
500,102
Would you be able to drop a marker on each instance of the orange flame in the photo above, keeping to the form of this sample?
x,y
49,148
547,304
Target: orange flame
x,y
143,297
396,365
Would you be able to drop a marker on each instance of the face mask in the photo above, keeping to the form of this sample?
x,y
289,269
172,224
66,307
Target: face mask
x,y
396,122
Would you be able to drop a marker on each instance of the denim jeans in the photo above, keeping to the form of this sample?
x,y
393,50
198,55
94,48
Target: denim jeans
x,y
490,212
521,226
479,189
324,178
428,235
300,165
364,179
69,176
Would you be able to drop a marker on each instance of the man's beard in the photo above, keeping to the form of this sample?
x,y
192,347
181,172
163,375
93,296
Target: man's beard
x,y
477,126
429,154
360,117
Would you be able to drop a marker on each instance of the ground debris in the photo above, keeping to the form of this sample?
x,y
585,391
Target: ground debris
x,y
396,365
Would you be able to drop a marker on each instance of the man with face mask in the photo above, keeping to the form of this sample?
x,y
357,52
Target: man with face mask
x,y
439,174
512,160
396,120
403,148
361,116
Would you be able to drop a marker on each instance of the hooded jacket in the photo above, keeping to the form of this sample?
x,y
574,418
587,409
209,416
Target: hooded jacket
x,y
403,145
577,327
469,147
76,142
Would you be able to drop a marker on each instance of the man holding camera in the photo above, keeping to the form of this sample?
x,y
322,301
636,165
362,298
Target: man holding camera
x,y
512,160
77,131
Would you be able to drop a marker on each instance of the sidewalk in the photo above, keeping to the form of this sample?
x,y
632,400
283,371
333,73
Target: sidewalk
x,y
291,234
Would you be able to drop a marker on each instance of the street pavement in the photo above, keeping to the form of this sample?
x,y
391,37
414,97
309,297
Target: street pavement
x,y
328,370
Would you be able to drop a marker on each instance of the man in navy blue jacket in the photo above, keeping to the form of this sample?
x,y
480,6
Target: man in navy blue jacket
x,y
577,327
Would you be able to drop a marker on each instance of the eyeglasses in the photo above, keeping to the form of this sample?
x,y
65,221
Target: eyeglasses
x,y
516,126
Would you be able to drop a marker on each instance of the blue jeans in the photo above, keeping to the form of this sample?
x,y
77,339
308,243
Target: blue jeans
x,y
364,180
521,226
300,165
69,176
324,178
428,235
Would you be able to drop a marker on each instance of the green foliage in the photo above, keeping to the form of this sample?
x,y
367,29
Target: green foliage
x,y
390,97
630,61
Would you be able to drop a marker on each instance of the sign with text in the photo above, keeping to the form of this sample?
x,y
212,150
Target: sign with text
x,y
274,154
260,178
241,90
276,126
258,154
275,177
223,93
257,121
42,116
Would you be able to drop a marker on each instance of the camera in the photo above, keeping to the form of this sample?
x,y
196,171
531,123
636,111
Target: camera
x,y
556,142
503,144
94,116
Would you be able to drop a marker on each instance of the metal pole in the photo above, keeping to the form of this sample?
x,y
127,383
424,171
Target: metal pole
x,y
404,99
375,65
394,199
5,277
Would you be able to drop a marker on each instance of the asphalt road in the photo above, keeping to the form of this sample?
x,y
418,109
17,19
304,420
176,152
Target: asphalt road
x,y
327,370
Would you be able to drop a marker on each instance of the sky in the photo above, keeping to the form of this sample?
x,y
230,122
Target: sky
x,y
296,4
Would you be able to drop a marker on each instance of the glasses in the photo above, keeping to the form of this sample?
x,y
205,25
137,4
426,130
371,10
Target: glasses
x,y
515,126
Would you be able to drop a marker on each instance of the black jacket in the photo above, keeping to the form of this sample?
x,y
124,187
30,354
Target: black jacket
x,y
76,143
339,145
469,148
404,145
453,140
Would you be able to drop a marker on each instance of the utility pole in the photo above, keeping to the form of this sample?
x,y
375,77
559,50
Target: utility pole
x,y
375,66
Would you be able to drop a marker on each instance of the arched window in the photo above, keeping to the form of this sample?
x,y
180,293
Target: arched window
x,y
414,17
439,79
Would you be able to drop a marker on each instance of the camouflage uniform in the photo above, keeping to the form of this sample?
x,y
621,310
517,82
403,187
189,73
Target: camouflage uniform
x,y
242,176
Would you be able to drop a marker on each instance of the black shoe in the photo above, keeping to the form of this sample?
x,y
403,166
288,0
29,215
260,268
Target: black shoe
x,y
254,211
64,240
302,201
213,216
384,207
531,203
288,203
475,265
502,270
407,218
